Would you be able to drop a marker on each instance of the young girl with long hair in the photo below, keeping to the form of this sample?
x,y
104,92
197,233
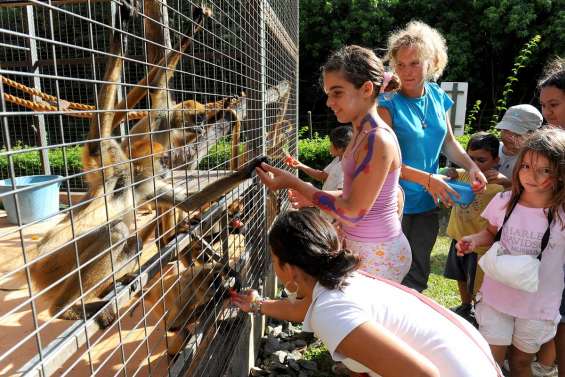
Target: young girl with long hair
x,y
523,218
367,207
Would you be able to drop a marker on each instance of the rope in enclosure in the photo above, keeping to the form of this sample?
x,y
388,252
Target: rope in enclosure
x,y
77,110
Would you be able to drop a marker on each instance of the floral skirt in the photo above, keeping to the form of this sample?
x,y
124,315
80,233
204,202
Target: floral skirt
x,y
388,259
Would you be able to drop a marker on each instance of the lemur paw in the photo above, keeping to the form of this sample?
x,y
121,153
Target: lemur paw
x,y
130,7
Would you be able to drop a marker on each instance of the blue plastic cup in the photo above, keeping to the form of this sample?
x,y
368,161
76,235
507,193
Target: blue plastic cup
x,y
464,190
35,203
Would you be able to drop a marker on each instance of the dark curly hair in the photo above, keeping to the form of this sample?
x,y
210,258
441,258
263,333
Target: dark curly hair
x,y
486,141
306,240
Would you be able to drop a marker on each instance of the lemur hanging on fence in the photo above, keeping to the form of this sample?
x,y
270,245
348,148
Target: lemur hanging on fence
x,y
184,130
92,247
178,126
183,298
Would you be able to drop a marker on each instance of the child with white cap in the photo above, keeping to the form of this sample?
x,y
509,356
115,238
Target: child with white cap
x,y
518,121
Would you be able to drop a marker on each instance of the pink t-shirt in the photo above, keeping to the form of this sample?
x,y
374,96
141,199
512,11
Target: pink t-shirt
x,y
521,235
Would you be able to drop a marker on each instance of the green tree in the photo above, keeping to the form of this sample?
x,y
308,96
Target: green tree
x,y
483,36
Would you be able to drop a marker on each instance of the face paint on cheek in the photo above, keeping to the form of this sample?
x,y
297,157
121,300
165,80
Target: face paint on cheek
x,y
546,183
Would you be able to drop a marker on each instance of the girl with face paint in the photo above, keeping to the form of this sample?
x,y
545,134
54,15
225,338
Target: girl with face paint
x,y
367,207
534,209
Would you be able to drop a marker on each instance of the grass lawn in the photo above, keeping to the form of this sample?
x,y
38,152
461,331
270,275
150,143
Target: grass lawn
x,y
442,290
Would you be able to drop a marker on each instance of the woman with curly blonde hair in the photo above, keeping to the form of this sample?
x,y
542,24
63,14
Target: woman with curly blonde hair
x,y
417,113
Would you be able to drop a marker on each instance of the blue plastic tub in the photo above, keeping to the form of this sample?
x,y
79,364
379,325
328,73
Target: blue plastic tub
x,y
34,203
465,192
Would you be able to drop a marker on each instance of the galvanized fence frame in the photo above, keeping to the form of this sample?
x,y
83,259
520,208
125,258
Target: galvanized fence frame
x,y
49,61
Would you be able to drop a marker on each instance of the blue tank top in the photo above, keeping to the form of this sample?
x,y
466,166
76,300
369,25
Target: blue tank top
x,y
420,145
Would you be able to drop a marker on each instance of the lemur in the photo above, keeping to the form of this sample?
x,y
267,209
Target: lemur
x,y
92,247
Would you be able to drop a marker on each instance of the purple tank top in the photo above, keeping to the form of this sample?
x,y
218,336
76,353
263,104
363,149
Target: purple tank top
x,y
381,223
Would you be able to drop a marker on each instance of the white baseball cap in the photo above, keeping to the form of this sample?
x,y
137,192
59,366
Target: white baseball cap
x,y
521,119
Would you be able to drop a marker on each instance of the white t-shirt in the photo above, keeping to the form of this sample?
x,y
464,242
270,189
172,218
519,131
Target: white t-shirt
x,y
333,314
506,164
335,176
333,182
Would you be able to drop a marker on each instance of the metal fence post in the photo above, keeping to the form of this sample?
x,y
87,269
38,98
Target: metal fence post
x,y
38,120
310,122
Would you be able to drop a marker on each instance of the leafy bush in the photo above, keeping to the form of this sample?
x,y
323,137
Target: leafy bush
x,y
463,140
315,152
218,156
483,55
471,122
29,163
520,62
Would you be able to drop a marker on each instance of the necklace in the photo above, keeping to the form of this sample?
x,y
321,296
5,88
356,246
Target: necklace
x,y
421,114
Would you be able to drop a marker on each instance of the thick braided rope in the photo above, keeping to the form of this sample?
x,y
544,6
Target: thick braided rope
x,y
47,97
46,108
66,105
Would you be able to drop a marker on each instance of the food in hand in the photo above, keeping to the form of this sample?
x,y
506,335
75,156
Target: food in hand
x,y
289,160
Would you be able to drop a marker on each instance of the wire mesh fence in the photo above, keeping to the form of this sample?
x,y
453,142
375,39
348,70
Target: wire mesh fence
x,y
129,134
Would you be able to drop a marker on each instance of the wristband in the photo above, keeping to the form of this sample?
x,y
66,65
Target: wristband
x,y
255,305
429,179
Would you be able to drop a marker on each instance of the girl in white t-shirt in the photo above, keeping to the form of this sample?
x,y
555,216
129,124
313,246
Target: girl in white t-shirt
x,y
532,219
372,325
332,175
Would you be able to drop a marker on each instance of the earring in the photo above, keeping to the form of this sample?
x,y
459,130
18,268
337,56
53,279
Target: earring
x,y
291,294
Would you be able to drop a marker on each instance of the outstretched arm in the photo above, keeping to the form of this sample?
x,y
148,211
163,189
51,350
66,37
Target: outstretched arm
x,y
384,353
318,175
468,244
278,309
374,162
434,183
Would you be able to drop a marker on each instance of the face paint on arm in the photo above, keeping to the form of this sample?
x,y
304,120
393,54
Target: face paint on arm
x,y
364,167
328,203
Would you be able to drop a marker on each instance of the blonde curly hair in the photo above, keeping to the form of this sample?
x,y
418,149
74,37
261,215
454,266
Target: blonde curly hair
x,y
427,40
